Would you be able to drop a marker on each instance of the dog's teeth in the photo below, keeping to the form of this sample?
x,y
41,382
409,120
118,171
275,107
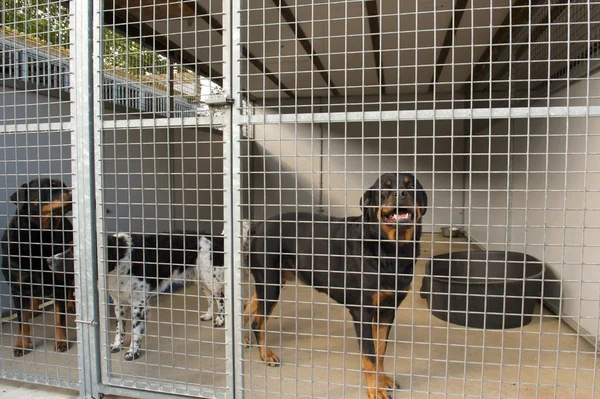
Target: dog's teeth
x,y
402,217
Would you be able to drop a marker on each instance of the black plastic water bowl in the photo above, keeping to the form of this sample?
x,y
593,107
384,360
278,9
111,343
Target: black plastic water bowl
x,y
494,289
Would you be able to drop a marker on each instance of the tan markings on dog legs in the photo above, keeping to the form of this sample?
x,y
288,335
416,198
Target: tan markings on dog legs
x,y
250,308
61,344
24,343
71,309
35,304
266,354
380,333
374,388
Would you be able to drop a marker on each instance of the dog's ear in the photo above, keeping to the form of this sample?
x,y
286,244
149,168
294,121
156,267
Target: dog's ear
x,y
21,196
421,197
369,202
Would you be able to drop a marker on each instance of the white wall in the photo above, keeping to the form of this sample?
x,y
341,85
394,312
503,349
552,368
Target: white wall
x,y
159,180
197,180
136,179
327,167
553,201
18,106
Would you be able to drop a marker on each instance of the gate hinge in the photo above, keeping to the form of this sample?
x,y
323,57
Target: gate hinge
x,y
218,99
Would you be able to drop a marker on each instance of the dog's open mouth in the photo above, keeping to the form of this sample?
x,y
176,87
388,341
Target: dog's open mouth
x,y
400,215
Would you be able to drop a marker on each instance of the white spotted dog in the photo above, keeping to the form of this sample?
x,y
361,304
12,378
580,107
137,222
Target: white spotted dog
x,y
141,266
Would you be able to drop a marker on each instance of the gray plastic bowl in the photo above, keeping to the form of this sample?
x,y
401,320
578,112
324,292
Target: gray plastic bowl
x,y
494,289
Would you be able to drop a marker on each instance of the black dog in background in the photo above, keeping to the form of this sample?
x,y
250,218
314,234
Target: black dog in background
x,y
365,262
38,230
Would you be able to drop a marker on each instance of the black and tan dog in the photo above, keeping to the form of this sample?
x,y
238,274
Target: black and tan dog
x,y
364,262
38,230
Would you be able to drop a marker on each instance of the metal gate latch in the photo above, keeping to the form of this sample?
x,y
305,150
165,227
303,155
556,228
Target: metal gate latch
x,y
218,99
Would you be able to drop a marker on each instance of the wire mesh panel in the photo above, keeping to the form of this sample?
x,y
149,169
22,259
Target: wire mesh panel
x,y
167,182
161,185
435,157
38,333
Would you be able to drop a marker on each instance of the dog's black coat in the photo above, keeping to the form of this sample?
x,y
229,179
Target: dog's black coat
x,y
157,257
38,230
143,265
364,262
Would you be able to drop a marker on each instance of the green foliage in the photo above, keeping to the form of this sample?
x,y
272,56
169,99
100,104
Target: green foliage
x,y
44,19
129,55
48,21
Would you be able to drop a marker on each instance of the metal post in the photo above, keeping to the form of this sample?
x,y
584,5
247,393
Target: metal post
x,y
84,199
231,182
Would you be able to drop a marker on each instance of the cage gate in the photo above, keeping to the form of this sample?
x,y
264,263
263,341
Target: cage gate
x,y
301,198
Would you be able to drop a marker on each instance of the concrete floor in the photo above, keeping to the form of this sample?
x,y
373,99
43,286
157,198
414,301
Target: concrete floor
x,y
320,356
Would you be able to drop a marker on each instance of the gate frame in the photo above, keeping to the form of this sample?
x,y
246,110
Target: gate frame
x,y
88,126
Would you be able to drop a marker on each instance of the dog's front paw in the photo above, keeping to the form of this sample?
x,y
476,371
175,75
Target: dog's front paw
x,y
132,355
115,348
61,346
219,321
373,393
22,350
206,316
388,382
270,358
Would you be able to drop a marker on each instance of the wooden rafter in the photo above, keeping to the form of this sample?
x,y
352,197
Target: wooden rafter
x,y
374,28
515,16
290,18
459,10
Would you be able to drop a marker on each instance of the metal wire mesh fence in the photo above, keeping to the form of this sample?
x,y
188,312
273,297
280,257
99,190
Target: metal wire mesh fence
x,y
38,337
301,198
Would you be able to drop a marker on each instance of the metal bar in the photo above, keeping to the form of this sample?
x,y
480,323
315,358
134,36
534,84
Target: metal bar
x,y
201,121
40,127
231,197
84,206
148,394
449,114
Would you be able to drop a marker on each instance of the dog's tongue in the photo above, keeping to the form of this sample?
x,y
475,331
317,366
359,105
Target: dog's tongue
x,y
402,217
